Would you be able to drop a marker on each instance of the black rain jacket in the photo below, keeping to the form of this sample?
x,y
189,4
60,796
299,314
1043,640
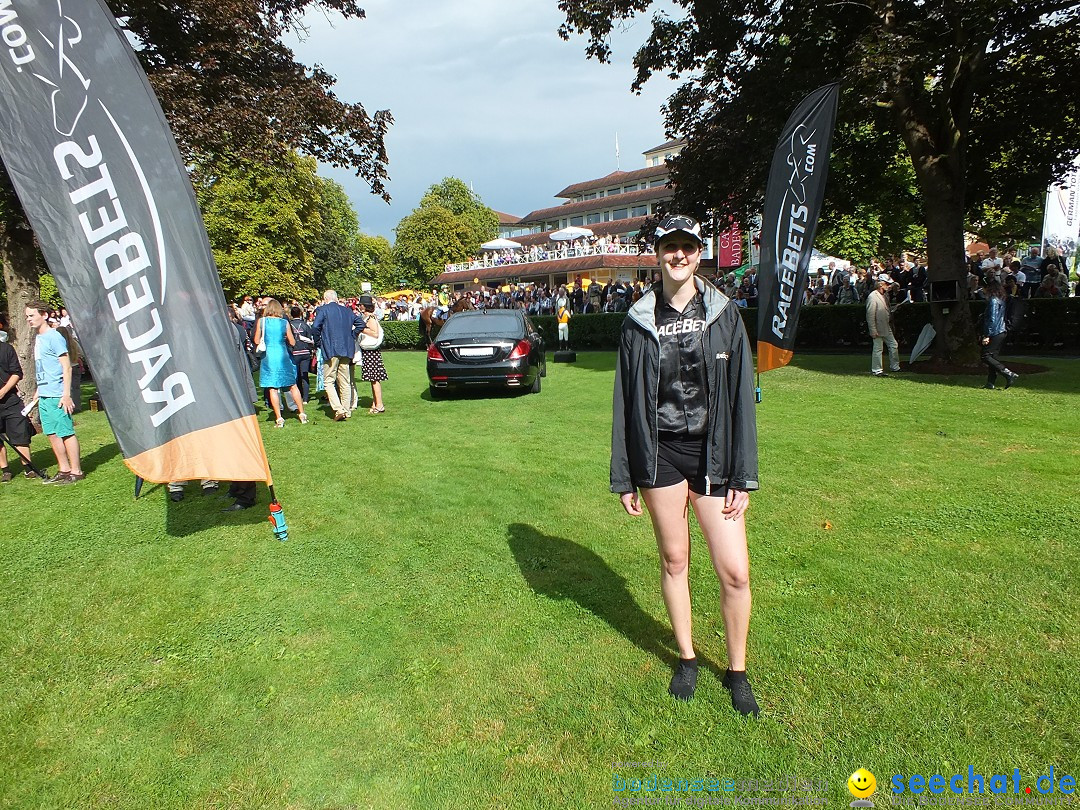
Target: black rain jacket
x,y
731,439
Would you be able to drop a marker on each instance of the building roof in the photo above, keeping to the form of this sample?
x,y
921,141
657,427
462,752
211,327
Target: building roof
x,y
507,219
613,179
629,198
666,145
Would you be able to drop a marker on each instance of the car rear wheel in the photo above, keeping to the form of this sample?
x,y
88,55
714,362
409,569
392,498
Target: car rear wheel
x,y
436,393
543,365
536,384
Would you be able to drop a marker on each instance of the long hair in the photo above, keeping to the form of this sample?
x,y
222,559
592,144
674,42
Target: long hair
x,y
74,353
994,289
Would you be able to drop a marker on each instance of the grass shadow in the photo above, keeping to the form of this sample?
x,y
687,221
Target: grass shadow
x,y
562,569
478,392
104,454
595,360
859,366
197,511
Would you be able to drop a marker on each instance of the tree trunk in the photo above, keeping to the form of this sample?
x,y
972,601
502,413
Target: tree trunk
x,y
18,253
940,172
955,342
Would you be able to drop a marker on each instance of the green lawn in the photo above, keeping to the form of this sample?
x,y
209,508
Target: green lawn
x,y
464,617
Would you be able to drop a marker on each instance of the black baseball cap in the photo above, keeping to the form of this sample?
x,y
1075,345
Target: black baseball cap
x,y
679,223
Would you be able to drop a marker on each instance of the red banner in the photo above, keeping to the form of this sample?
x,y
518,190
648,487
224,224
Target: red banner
x,y
730,247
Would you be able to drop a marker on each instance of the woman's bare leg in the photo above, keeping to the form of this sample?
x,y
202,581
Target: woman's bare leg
x,y
667,509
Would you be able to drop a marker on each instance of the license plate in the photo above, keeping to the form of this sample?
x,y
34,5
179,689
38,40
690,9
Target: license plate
x,y
476,351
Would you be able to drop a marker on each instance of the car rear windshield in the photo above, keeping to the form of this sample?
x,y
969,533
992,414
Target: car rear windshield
x,y
489,324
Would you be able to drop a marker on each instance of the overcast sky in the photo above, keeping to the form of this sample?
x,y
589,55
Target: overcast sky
x,y
485,91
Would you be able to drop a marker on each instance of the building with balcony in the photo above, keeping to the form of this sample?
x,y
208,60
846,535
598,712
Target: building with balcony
x,y
613,207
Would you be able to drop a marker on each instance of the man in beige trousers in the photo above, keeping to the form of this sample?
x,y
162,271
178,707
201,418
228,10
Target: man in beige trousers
x,y
877,318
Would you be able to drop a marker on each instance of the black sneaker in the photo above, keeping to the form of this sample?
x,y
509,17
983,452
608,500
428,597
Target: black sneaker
x,y
989,386
30,474
684,681
742,696
1010,379
59,478
177,496
5,477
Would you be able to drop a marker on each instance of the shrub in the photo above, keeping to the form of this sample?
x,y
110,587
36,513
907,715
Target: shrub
x,y
1048,325
401,335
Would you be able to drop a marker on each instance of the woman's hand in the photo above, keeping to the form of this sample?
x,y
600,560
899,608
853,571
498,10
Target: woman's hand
x,y
631,503
736,502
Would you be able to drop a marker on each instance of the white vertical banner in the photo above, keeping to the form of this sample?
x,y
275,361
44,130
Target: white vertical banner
x,y
1061,220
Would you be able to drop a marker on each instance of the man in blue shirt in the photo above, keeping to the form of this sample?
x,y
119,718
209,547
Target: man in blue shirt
x,y
55,404
334,328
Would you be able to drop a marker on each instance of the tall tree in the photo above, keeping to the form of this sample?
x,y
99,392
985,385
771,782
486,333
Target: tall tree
x,y
376,262
334,247
457,198
946,76
228,85
449,225
263,221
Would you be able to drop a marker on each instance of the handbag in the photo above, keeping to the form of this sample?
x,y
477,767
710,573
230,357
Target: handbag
x,y
369,342
260,350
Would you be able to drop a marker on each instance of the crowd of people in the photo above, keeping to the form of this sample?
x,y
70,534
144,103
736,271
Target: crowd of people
x,y
286,342
568,249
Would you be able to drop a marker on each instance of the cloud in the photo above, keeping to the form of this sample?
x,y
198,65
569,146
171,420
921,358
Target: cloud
x,y
487,92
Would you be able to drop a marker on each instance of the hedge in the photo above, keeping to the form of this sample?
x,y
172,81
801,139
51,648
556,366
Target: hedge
x,y
1048,325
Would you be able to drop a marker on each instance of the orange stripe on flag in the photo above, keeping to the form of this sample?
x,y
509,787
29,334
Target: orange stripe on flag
x,y
770,357
229,452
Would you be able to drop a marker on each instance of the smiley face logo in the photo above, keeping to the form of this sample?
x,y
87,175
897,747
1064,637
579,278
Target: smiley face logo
x,y
862,784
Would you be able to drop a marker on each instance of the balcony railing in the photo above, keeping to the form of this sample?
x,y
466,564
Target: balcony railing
x,y
529,256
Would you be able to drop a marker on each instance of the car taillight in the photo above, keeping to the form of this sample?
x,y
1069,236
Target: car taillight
x,y
433,353
520,350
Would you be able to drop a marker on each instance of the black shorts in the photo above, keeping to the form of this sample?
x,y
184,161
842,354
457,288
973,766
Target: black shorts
x,y
682,458
14,425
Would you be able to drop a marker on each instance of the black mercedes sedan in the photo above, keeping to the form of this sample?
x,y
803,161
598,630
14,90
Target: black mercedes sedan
x,y
494,347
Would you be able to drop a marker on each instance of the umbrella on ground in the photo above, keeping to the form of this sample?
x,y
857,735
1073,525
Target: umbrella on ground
x,y
926,337
501,244
573,232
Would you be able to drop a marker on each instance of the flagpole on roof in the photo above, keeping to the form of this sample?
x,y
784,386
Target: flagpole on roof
x,y
617,166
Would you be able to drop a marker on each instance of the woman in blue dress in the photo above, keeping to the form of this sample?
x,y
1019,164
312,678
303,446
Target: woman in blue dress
x,y
277,369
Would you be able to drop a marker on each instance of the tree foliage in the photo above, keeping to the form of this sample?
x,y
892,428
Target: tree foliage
x,y
449,225
262,221
228,85
376,262
947,78
334,251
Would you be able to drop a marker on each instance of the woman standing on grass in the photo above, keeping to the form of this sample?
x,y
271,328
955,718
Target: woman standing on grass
x,y
372,369
277,370
684,432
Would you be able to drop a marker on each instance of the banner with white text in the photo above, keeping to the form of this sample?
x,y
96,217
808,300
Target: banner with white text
x,y
1061,218
729,247
793,198
100,178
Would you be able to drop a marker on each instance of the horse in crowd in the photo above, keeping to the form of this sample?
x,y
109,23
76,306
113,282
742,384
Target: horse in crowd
x,y
428,320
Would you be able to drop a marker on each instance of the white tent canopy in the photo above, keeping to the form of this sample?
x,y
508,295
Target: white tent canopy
x,y
819,262
501,244
573,232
